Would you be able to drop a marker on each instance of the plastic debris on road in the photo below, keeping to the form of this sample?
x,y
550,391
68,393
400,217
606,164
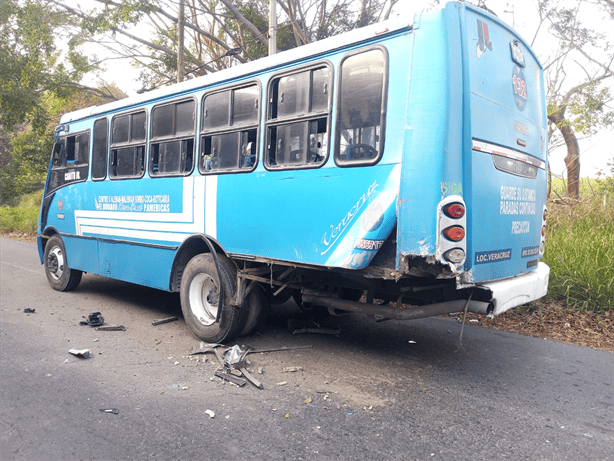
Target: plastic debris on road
x,y
292,369
114,411
210,413
82,353
111,328
95,319
321,331
162,321
29,310
233,356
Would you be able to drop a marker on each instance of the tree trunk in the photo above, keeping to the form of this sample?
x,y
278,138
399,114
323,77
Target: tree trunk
x,y
572,160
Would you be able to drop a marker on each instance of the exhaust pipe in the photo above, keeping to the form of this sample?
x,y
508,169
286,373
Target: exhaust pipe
x,y
418,312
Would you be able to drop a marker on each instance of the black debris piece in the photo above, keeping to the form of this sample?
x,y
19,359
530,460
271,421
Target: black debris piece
x,y
95,319
29,310
161,321
233,379
112,328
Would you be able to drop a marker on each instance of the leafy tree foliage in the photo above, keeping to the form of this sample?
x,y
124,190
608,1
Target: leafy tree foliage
x,y
38,82
580,108
218,34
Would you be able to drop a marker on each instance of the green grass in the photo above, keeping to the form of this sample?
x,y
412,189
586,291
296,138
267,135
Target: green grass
x,y
580,246
22,218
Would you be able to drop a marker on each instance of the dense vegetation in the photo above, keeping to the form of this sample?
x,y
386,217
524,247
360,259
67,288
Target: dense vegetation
x,y
579,242
580,245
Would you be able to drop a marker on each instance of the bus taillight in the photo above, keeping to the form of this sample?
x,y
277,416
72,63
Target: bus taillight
x,y
454,210
454,233
455,255
542,242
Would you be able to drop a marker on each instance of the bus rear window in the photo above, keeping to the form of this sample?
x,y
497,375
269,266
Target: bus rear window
x,y
298,119
360,126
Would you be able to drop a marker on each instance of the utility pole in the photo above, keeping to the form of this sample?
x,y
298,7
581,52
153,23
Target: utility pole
x,y
181,50
510,9
272,27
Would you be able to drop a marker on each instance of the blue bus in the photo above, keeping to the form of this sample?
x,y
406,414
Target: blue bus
x,y
398,170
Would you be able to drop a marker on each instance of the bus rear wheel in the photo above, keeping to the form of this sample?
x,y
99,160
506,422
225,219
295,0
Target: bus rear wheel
x,y
60,276
200,296
258,309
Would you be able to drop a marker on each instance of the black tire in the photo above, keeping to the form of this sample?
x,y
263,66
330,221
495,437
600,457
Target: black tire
x,y
199,299
281,298
59,275
257,305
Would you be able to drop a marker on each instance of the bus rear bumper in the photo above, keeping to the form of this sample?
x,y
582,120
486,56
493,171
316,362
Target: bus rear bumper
x,y
515,291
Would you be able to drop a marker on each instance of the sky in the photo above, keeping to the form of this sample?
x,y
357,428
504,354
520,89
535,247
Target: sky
x,y
595,152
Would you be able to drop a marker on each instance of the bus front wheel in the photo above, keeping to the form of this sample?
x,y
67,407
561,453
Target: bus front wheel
x,y
60,276
200,296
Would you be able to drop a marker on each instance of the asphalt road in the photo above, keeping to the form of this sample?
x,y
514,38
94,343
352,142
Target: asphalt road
x,y
387,391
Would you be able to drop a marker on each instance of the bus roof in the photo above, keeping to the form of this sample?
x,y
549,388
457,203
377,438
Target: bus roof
x,y
364,34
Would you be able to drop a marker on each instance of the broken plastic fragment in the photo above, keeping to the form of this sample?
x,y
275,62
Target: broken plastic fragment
x,y
232,356
95,319
29,310
292,369
210,413
83,353
115,411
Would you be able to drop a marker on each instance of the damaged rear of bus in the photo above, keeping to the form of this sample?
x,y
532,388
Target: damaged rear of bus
x,y
471,206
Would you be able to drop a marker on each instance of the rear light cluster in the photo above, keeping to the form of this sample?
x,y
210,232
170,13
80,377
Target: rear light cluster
x,y
452,223
542,243
454,210
454,233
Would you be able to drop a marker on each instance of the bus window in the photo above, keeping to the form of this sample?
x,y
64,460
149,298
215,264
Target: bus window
x,y
298,119
172,139
359,139
128,134
100,144
229,130
70,161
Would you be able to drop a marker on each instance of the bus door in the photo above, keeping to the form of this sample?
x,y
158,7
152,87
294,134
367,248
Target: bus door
x,y
505,163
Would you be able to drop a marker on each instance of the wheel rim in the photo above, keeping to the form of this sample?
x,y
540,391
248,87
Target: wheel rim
x,y
204,297
55,263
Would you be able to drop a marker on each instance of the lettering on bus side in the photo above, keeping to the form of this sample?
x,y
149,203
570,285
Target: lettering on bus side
x,y
482,257
144,203
517,200
529,251
335,231
455,188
